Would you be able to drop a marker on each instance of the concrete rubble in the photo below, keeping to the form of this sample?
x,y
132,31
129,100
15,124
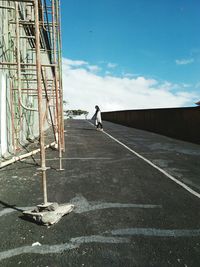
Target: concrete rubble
x,y
49,213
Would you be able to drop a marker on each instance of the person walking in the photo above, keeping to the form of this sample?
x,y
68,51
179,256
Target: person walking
x,y
97,118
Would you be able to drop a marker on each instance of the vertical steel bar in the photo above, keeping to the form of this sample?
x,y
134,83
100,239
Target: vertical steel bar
x,y
58,103
11,85
58,22
12,118
21,105
18,69
40,109
48,100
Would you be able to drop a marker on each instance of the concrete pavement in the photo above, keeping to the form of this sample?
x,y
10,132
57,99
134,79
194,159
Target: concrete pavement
x,y
128,212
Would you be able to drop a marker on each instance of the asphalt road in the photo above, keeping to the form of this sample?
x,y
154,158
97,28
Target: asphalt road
x,y
136,197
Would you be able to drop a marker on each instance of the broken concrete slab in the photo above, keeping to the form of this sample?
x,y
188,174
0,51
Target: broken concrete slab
x,y
49,213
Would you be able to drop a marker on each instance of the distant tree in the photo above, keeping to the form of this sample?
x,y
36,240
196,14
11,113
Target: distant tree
x,y
65,102
71,113
76,112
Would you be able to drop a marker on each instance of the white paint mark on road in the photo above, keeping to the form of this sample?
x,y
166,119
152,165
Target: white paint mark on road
x,y
82,205
114,239
72,244
155,232
190,190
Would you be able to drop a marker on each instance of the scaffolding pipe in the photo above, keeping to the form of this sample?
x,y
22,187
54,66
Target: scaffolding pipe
x,y
23,1
7,7
40,112
44,28
26,64
19,63
12,118
58,104
26,155
60,72
48,102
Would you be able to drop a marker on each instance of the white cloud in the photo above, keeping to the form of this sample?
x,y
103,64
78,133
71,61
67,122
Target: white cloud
x,y
84,89
111,65
93,68
197,85
186,85
184,61
74,63
130,75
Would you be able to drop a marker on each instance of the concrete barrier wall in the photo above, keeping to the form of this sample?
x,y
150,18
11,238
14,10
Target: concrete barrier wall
x,y
179,123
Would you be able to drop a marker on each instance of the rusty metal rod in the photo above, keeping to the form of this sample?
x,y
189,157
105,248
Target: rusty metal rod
x,y
25,1
48,100
24,37
12,117
26,64
59,49
22,22
58,104
26,155
40,106
18,61
7,7
30,89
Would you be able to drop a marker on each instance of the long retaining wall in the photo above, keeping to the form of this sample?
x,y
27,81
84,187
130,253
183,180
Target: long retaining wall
x,y
179,123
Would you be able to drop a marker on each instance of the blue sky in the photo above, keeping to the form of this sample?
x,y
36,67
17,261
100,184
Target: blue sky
x,y
154,39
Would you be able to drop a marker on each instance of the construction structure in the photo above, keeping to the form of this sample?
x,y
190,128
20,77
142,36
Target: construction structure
x,y
30,80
